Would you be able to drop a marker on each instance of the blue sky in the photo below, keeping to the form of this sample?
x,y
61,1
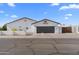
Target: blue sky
x,y
64,13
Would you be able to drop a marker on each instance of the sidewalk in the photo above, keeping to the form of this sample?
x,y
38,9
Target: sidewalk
x,y
67,35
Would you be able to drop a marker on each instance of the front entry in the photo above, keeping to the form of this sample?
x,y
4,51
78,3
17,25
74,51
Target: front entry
x,y
45,29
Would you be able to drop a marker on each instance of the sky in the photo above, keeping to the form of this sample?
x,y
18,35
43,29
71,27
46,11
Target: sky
x,y
64,13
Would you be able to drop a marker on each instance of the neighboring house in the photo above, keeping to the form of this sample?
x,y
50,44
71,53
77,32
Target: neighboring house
x,y
30,25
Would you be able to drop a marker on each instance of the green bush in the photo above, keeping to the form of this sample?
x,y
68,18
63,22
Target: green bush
x,y
3,28
14,29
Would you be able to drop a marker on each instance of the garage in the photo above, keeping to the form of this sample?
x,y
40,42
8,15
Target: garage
x,y
45,29
46,26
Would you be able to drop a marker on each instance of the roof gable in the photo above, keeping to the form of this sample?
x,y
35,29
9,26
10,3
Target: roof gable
x,y
21,19
45,20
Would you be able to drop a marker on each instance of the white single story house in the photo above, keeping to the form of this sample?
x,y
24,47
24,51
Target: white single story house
x,y
43,26
30,25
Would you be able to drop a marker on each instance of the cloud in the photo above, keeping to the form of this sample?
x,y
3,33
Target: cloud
x,y
55,4
1,11
70,6
68,14
14,16
66,17
11,4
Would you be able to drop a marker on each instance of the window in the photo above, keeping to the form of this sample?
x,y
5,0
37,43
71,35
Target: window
x,y
27,28
19,26
20,29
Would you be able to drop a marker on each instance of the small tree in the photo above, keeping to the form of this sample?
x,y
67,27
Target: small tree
x,y
4,28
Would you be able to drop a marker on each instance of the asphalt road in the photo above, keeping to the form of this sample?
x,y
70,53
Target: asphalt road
x,y
65,44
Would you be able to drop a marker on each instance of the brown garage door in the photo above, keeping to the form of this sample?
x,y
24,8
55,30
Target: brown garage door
x,y
66,30
45,29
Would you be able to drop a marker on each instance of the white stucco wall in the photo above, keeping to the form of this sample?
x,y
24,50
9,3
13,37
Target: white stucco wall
x,y
76,29
20,24
49,23
58,30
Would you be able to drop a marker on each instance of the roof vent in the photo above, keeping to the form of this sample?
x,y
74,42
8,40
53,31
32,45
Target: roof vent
x,y
45,22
